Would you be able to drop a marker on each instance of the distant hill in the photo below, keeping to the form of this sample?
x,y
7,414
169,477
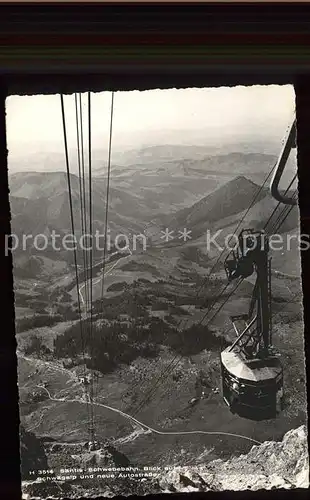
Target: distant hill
x,y
171,178
34,185
138,192
222,211
228,200
41,199
165,186
40,206
166,144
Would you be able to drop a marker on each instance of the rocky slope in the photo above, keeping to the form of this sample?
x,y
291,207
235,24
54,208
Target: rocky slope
x,y
271,465
32,453
267,466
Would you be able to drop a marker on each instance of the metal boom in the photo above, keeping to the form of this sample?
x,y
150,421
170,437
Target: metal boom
x,y
252,255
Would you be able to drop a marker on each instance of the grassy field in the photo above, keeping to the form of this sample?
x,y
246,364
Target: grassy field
x,y
168,406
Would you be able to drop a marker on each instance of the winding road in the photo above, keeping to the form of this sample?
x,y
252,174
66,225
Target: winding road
x,y
142,425
145,426
107,272
132,419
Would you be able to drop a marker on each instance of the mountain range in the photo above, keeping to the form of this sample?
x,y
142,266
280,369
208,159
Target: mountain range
x,y
208,192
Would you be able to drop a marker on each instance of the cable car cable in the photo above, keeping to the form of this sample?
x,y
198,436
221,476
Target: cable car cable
x,y
214,302
279,202
84,198
225,302
73,231
90,259
88,263
236,229
273,212
80,179
288,209
219,257
230,328
106,211
175,361
172,365
239,283
107,197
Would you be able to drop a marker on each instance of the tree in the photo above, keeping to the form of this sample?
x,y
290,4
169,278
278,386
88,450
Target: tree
x,y
35,345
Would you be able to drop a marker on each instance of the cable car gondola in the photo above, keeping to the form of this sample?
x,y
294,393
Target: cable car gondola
x,y
252,388
252,374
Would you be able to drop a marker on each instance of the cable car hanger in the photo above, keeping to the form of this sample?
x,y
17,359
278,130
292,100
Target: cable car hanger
x,y
289,144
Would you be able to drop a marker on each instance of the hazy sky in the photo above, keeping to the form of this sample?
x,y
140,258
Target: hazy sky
x,y
157,116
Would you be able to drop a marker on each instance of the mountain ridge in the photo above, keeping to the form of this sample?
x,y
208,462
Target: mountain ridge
x,y
228,200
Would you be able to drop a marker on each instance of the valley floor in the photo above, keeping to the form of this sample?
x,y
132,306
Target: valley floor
x,y
168,430
148,417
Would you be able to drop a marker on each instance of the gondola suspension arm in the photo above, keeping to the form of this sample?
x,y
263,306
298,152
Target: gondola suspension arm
x,y
289,144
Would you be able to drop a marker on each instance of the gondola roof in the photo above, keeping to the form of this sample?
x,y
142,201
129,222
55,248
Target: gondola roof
x,y
254,370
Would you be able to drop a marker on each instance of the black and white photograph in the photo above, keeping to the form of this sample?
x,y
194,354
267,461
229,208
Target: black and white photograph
x,y
158,298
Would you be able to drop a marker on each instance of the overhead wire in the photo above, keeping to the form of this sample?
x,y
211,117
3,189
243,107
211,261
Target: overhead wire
x,y
106,216
279,202
230,327
223,304
84,201
218,297
241,221
73,233
286,211
83,204
243,218
90,263
78,139
254,200
174,363
107,198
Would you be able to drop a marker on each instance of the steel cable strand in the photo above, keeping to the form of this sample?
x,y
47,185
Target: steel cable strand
x,y
73,233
